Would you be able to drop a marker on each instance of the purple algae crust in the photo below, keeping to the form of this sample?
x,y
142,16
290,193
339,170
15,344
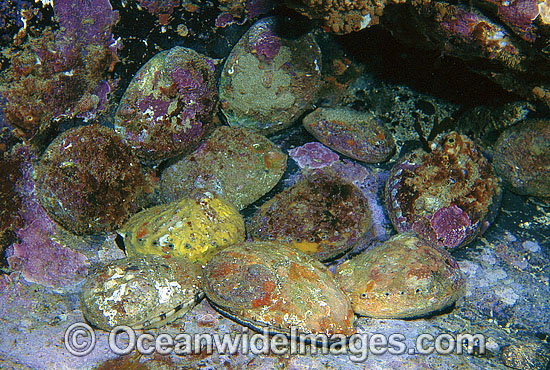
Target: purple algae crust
x,y
161,8
313,155
225,19
264,43
169,105
38,257
355,134
519,15
88,22
45,262
65,73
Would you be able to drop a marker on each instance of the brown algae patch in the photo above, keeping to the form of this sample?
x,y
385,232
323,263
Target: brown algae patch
x,y
322,214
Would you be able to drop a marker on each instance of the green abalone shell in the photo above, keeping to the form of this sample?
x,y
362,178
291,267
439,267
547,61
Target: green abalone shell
x,y
402,278
265,284
236,163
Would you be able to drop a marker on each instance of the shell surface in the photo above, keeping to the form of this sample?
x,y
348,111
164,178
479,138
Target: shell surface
x,y
141,292
448,197
238,164
267,80
402,278
193,227
169,104
265,284
322,215
358,135
522,158
89,182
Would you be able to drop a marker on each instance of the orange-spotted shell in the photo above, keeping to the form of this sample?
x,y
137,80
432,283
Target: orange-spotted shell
x,y
269,285
402,278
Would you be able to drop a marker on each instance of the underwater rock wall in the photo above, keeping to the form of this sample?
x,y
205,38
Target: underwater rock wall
x,y
195,131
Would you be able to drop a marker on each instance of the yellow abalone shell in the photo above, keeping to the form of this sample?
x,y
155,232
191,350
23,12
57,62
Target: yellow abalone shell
x,y
193,227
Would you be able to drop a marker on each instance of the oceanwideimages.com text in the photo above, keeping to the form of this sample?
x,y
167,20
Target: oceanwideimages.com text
x,y
80,339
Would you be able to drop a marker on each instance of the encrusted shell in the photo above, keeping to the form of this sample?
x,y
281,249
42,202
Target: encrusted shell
x,y
358,135
522,157
268,81
89,182
448,197
238,164
263,284
401,278
141,292
193,227
168,106
323,215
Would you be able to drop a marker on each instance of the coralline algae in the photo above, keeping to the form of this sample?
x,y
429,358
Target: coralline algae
x,y
88,181
194,227
46,262
313,155
448,196
236,163
358,135
36,255
169,105
268,81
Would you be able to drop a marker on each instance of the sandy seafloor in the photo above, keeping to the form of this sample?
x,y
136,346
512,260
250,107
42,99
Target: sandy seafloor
x,y
507,300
